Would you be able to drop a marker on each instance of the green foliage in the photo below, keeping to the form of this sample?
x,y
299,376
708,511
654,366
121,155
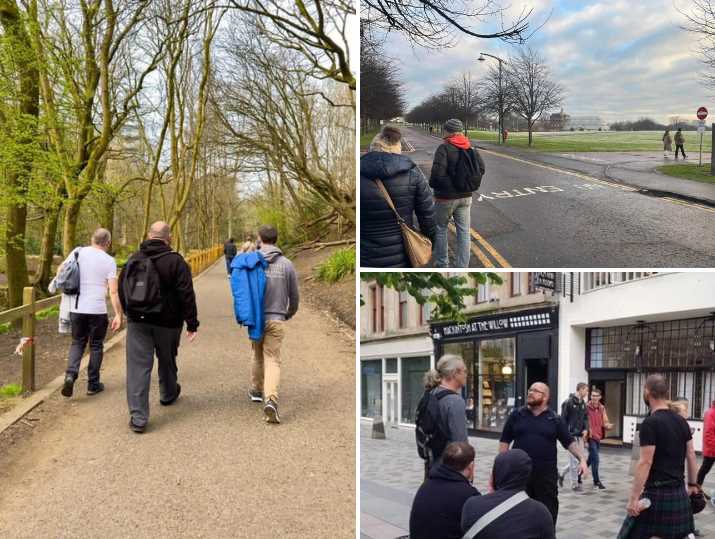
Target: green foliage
x,y
5,328
340,264
446,292
10,390
48,313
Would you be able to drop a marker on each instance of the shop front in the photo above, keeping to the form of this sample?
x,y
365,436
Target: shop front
x,y
504,354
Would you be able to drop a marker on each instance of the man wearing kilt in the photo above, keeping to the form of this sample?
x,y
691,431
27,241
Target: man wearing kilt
x,y
666,443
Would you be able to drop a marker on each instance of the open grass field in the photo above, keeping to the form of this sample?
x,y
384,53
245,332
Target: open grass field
x,y
689,172
366,137
590,141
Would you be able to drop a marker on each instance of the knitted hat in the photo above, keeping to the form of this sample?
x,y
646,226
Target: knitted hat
x,y
388,140
454,126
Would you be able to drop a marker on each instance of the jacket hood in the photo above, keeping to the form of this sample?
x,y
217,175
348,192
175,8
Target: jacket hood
x,y
270,252
384,165
153,247
511,470
459,140
446,473
248,260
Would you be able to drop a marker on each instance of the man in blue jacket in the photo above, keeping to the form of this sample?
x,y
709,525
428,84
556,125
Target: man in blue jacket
x,y
248,284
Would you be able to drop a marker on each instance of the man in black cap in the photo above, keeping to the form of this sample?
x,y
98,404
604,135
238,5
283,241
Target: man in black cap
x,y
457,170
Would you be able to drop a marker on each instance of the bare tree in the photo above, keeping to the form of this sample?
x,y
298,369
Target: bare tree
x,y
700,20
436,23
531,90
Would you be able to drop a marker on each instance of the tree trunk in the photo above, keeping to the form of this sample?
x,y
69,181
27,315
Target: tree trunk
x,y
72,207
44,270
15,261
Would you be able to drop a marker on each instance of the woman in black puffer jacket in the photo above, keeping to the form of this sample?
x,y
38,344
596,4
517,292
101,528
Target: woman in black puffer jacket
x,y
381,244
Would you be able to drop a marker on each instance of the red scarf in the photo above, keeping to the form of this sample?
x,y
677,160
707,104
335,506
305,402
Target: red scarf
x,y
459,140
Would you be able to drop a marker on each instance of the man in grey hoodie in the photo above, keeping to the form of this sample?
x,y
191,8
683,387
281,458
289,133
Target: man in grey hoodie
x,y
280,303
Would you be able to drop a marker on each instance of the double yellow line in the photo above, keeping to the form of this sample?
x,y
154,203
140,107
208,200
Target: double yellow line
x,y
482,248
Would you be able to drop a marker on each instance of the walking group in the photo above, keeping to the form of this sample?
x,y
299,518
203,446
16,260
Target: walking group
x,y
679,143
393,190
522,499
155,292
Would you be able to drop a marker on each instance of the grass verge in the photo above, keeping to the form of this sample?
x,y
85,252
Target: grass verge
x,y
366,137
340,264
10,390
689,172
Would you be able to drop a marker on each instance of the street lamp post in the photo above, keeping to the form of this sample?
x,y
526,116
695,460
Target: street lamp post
x,y
501,92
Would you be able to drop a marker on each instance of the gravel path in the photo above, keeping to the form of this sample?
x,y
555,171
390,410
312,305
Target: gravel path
x,y
207,466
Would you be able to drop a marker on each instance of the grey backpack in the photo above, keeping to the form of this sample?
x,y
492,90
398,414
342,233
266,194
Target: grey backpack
x,y
67,279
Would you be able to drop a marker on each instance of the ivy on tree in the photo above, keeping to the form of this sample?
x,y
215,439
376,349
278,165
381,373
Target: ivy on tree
x,y
445,292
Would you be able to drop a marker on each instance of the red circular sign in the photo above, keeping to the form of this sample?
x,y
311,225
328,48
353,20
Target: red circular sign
x,y
702,113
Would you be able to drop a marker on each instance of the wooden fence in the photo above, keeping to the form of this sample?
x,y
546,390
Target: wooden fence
x,y
198,261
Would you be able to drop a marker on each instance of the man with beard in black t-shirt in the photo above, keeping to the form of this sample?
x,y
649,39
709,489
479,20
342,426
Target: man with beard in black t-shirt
x,y
666,442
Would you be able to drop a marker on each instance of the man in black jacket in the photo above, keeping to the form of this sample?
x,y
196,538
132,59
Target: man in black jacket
x,y
158,331
453,199
575,414
437,507
229,251
530,519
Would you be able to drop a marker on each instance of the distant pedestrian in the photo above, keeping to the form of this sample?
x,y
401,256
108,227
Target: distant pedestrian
x,y
665,444
157,293
679,143
708,443
528,519
598,424
457,171
381,243
441,413
536,429
280,303
573,411
667,143
229,251
88,309
437,507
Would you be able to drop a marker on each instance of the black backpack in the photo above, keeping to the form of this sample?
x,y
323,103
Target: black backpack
x,y
431,438
467,176
142,285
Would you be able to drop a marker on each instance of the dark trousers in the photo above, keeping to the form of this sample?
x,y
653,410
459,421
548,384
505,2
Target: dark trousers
x,y
143,340
90,328
228,264
594,446
682,150
542,486
705,468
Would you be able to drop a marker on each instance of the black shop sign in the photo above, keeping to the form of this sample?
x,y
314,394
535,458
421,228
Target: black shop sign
x,y
497,324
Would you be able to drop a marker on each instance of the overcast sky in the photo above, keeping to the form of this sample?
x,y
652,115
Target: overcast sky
x,y
618,59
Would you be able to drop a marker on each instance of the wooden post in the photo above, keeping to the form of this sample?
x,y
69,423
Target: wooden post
x,y
28,331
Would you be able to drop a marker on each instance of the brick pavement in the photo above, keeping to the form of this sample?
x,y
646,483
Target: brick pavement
x,y
391,473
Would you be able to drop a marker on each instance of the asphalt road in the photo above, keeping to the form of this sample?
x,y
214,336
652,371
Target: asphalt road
x,y
536,215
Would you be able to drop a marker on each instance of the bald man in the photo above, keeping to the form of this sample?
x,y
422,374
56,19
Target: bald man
x,y
535,429
155,326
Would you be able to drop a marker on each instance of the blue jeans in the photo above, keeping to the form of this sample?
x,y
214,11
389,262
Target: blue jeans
x,y
460,210
593,461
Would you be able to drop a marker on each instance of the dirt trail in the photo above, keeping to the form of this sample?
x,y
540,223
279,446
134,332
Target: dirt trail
x,y
207,466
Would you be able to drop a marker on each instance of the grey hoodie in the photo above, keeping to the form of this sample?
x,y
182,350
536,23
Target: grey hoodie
x,y
281,297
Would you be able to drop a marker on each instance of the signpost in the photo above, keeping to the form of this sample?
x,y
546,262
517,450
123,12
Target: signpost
x,y
702,114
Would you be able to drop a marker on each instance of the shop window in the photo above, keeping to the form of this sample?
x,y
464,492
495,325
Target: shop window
x,y
496,383
371,388
465,350
412,385
695,387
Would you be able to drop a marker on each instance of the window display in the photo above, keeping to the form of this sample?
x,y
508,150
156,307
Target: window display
x,y
496,387
371,388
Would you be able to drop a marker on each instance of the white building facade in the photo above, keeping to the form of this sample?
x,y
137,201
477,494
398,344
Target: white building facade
x,y
616,328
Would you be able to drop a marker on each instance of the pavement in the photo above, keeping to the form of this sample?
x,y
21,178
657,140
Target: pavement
x,y
207,466
391,472
556,214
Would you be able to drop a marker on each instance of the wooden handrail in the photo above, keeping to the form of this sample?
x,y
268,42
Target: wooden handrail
x,y
198,262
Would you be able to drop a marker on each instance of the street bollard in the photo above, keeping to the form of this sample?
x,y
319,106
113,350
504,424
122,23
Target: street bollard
x,y
378,428
28,332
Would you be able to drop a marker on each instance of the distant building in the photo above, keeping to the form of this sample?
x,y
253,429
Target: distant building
x,y
558,121
586,123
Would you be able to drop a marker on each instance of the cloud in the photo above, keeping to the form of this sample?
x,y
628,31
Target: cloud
x,y
615,58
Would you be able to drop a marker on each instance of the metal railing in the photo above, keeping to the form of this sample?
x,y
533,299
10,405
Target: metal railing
x,y
198,261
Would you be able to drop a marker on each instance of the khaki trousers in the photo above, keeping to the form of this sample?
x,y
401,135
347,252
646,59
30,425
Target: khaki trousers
x,y
266,368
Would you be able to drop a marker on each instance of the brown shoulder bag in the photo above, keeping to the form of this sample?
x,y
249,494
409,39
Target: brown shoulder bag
x,y
418,246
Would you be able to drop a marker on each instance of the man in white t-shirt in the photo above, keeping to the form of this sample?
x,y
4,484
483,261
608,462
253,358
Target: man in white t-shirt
x,y
88,310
